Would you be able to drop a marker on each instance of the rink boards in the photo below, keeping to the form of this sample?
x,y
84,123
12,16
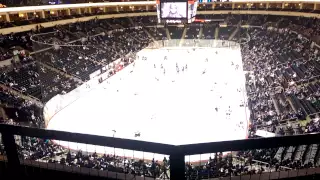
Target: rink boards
x,y
195,96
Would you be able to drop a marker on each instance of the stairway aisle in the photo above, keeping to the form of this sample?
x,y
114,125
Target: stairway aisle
x,y
216,33
16,92
183,36
200,33
233,34
168,33
61,72
131,21
148,33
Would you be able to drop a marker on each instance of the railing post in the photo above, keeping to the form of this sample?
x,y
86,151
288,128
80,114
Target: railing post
x,y
10,148
177,166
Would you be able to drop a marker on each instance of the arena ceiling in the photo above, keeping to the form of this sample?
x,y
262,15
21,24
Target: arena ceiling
x,y
108,4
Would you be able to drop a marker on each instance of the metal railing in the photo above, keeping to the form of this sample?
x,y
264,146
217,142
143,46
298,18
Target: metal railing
x,y
208,160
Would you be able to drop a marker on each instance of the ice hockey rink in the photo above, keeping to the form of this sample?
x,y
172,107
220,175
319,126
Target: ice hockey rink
x,y
200,103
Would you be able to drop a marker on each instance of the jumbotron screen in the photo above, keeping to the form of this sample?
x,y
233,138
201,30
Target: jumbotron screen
x,y
173,10
179,11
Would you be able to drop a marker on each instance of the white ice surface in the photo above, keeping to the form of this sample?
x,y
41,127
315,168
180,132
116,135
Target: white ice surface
x,y
179,112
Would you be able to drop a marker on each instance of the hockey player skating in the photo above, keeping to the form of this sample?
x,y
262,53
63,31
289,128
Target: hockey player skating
x,y
207,60
186,66
203,72
165,57
154,65
182,69
177,69
164,71
161,66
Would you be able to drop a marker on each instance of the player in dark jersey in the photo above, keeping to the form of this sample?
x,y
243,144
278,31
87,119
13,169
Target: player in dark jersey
x,y
203,72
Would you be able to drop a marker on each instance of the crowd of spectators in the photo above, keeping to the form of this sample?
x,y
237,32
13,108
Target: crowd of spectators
x,y
309,27
282,89
49,152
281,83
77,50
19,110
281,80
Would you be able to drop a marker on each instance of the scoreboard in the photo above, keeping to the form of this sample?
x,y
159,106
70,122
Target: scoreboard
x,y
192,10
176,11
205,1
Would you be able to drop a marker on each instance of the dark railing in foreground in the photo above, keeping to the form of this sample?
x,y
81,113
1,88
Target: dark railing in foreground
x,y
177,153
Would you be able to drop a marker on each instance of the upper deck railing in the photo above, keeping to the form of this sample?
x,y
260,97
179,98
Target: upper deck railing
x,y
178,154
